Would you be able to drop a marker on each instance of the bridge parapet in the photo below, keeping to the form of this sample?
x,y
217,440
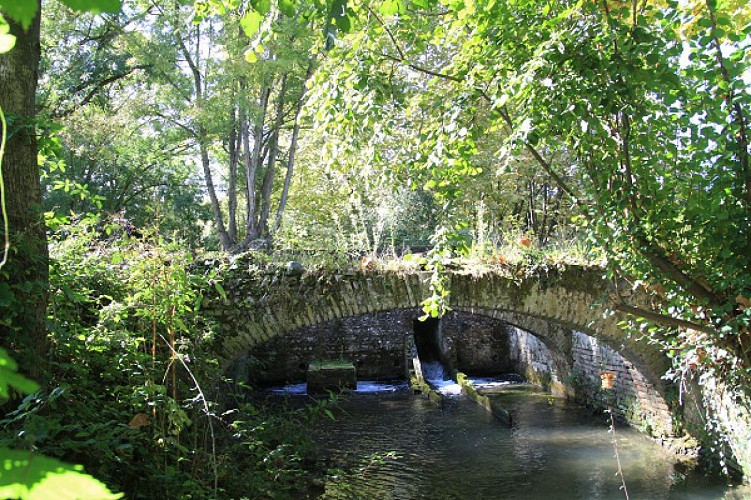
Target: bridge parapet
x,y
262,304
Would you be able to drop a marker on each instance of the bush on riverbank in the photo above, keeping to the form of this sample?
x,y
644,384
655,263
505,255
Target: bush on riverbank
x,y
132,391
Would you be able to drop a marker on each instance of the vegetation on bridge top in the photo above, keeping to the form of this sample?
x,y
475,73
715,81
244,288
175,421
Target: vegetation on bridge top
x,y
515,256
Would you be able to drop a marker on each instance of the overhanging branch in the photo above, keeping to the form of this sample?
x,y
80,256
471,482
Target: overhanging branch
x,y
660,318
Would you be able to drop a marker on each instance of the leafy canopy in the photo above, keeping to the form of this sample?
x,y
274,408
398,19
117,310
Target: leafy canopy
x,y
24,11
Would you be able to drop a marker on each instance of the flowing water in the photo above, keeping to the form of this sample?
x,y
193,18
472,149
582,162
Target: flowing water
x,y
440,379
386,443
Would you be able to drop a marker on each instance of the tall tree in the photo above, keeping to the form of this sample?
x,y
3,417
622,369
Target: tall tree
x,y
23,289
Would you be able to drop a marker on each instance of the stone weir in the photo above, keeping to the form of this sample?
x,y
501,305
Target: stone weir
x,y
551,327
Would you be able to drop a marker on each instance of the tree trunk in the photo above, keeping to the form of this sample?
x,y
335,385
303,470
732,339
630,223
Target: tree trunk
x,y
542,237
203,141
252,162
268,179
224,237
234,158
22,320
531,210
292,150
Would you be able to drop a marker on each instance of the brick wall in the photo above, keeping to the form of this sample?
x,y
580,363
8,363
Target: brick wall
x,y
633,396
475,344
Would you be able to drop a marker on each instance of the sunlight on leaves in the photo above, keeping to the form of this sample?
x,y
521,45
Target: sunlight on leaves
x,y
391,7
95,6
7,41
251,23
29,476
9,377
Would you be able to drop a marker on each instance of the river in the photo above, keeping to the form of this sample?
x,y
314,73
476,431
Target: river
x,y
391,444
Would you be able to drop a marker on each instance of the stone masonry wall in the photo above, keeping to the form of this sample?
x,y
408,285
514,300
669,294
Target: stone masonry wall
x,y
260,305
562,360
577,375
375,343
632,397
474,344
533,359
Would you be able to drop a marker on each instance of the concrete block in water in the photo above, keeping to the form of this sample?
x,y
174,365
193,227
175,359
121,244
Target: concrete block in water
x,y
331,376
492,406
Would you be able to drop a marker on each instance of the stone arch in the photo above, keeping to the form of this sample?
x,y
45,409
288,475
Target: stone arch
x,y
253,313
568,361
258,309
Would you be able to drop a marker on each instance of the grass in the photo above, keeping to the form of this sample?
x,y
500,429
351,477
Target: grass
x,y
508,254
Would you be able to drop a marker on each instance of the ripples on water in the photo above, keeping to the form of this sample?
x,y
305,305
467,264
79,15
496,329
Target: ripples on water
x,y
399,446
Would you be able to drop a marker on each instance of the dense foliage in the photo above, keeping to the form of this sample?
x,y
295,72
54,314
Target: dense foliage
x,y
475,127
636,112
129,393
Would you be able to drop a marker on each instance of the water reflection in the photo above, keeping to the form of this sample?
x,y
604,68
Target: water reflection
x,y
403,447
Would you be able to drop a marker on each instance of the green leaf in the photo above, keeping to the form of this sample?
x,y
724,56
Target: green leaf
x,y
251,56
338,14
392,7
7,42
10,378
112,6
262,6
251,23
287,7
344,23
21,11
219,288
35,477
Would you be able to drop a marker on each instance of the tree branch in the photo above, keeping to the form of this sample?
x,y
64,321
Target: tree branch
x,y
192,133
97,87
421,69
660,318
656,257
547,167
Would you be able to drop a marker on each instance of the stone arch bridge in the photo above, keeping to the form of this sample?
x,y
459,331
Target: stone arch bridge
x,y
262,306
555,322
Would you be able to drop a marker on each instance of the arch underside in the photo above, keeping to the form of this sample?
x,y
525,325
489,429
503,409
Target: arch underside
x,y
368,316
562,359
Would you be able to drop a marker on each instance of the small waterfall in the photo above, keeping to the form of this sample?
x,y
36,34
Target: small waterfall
x,y
426,334
437,376
434,371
